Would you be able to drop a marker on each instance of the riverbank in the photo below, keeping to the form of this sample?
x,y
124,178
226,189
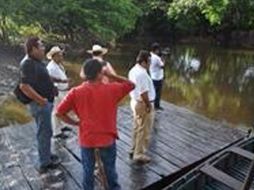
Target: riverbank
x,y
12,111
9,62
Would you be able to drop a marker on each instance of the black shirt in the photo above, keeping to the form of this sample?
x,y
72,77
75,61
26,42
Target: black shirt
x,y
35,73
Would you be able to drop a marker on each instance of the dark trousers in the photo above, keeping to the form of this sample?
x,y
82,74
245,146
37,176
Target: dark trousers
x,y
158,87
108,157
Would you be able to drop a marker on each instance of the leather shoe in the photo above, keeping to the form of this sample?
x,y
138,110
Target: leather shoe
x,y
142,159
66,129
131,155
54,163
60,136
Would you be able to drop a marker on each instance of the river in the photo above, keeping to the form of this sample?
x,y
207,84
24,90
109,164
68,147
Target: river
x,y
214,81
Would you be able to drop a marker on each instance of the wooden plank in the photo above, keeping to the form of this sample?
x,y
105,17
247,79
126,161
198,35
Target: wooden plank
x,y
242,152
222,177
12,176
124,170
186,118
183,130
14,179
164,151
158,164
185,134
181,137
27,150
139,175
172,140
205,124
178,156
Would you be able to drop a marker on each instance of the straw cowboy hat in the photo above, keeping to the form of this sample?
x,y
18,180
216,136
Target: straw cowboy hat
x,y
97,48
53,51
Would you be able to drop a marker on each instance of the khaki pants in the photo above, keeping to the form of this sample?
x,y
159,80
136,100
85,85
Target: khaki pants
x,y
143,123
57,124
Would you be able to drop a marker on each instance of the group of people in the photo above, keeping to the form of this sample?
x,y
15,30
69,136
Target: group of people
x,y
94,102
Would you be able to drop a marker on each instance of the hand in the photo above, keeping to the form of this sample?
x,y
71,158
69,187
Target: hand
x,y
106,72
43,102
148,108
77,123
65,81
69,82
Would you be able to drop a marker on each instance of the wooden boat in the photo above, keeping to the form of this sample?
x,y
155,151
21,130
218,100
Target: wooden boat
x,y
231,169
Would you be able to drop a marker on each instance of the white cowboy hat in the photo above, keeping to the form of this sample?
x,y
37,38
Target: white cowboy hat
x,y
53,51
97,48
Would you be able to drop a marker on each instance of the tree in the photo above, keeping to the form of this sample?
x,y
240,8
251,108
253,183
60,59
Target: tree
x,y
72,19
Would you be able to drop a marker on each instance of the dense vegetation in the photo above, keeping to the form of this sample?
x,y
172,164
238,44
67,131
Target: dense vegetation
x,y
72,20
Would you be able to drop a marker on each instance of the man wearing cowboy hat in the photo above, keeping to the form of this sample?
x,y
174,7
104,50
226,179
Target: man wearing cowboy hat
x,y
97,53
57,73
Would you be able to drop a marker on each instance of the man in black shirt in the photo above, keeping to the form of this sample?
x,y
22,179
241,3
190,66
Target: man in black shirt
x,y
37,85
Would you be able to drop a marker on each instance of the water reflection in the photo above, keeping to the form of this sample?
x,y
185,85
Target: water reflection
x,y
213,81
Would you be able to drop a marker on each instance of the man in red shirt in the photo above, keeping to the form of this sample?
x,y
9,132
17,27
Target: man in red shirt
x,y
95,104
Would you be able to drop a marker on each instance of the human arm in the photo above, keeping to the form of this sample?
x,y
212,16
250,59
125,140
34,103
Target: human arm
x,y
143,85
157,61
161,62
110,68
55,73
58,80
145,99
82,74
28,77
67,119
117,78
32,94
65,106
120,86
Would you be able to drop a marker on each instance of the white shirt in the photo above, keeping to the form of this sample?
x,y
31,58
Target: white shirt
x,y
156,70
143,83
57,71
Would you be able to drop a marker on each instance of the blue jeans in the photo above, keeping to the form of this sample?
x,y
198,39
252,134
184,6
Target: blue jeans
x,y
42,116
108,157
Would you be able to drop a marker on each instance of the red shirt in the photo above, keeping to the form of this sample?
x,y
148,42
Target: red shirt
x,y
95,104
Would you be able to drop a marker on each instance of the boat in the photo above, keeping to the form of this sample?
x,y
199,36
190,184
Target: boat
x,y
230,169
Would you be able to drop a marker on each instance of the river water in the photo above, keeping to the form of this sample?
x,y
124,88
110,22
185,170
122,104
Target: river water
x,y
214,81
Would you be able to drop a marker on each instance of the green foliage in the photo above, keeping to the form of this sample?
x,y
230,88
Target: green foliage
x,y
76,20
71,19
212,10
239,15
220,14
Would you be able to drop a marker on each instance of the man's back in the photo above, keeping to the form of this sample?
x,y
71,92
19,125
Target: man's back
x,y
96,106
139,76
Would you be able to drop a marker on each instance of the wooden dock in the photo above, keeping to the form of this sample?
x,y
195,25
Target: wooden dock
x,y
180,137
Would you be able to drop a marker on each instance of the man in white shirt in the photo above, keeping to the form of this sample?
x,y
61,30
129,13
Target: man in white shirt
x,y
157,73
142,98
98,53
57,73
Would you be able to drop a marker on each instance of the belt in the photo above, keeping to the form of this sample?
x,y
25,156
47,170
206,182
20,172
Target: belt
x,y
63,90
151,101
